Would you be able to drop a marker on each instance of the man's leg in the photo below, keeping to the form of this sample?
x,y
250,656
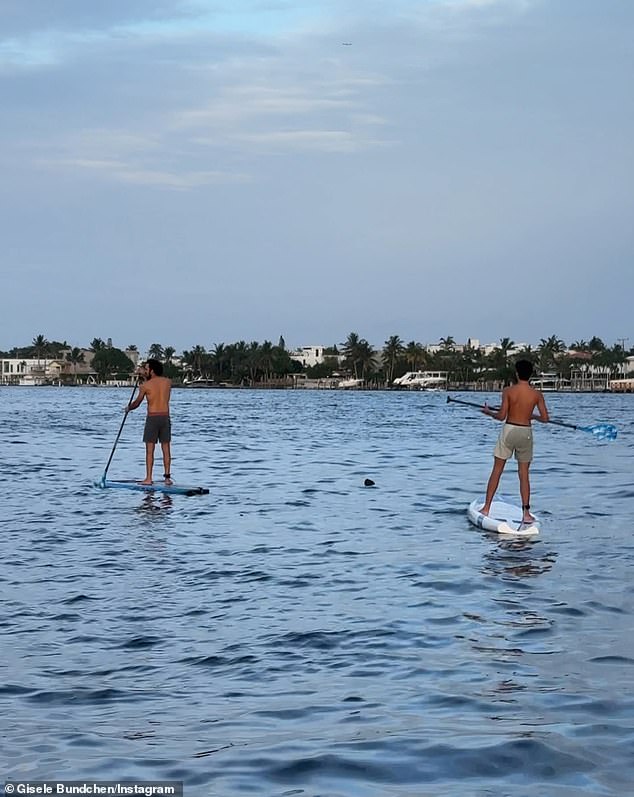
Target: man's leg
x,y
525,490
149,462
494,480
167,462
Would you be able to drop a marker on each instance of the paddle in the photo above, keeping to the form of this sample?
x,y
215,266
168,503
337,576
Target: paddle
x,y
601,431
102,481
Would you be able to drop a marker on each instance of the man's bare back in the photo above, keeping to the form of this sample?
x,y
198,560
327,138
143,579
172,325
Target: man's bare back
x,y
518,403
157,392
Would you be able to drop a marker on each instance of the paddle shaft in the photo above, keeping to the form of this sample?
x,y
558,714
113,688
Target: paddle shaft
x,y
495,409
134,387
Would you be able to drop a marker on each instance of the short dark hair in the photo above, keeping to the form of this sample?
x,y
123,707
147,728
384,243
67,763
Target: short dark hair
x,y
524,369
155,366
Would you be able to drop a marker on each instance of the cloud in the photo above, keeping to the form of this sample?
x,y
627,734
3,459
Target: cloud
x,y
180,180
329,112
121,157
319,140
131,173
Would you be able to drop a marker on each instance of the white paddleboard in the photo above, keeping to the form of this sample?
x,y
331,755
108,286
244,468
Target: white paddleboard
x,y
504,518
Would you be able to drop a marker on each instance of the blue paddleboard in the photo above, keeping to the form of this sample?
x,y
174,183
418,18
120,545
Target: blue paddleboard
x,y
159,487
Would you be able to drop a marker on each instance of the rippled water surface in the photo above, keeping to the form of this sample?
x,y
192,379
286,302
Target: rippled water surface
x,y
297,633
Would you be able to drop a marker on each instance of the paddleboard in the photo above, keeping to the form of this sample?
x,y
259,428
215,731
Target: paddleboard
x,y
160,487
504,518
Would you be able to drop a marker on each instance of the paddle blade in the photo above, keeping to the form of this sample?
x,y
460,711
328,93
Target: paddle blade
x,y
601,431
523,530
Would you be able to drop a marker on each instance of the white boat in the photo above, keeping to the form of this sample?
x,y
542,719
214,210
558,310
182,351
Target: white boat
x,y
422,380
550,382
350,384
201,382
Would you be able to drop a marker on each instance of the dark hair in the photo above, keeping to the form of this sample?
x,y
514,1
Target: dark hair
x,y
524,369
155,366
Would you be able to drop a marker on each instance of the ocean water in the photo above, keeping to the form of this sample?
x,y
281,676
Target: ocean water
x,y
297,633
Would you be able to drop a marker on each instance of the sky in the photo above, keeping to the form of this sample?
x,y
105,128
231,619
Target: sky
x,y
193,172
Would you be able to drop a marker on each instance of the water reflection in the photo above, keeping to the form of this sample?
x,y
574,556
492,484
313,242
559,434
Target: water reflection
x,y
154,503
518,559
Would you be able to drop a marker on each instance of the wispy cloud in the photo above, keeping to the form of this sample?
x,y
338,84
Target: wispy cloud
x,y
316,140
118,156
133,174
318,114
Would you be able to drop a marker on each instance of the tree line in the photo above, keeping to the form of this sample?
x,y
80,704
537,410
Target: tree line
x,y
243,363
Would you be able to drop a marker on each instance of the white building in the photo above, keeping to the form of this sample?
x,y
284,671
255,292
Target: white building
x,y
474,343
308,356
22,371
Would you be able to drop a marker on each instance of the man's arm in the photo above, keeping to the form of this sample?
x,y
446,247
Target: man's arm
x,y
501,414
541,409
137,401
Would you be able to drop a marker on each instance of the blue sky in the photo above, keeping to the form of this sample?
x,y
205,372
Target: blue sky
x,y
194,172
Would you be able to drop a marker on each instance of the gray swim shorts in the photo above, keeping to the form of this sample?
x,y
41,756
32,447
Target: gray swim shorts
x,y
158,429
516,440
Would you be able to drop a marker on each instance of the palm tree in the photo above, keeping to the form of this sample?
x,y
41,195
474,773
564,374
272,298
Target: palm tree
x,y
219,359
365,357
499,358
168,353
238,354
194,360
97,344
40,344
447,343
472,364
198,358
392,350
155,352
548,350
350,351
266,359
506,344
415,355
253,360
596,344
359,355
74,357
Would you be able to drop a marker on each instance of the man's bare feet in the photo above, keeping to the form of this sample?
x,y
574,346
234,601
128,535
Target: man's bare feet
x,y
168,478
147,482
485,510
527,518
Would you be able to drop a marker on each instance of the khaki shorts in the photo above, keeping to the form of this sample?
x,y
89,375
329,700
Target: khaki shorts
x,y
158,429
516,440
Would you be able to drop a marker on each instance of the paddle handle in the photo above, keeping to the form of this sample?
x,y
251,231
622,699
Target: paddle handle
x,y
127,412
495,409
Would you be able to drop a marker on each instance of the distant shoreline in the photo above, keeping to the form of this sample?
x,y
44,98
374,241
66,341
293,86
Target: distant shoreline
x,y
322,389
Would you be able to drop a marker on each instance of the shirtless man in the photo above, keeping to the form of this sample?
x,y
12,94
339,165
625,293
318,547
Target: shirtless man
x,y
156,390
518,403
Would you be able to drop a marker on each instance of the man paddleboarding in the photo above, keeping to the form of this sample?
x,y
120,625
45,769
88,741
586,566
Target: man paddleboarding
x,y
156,389
519,401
